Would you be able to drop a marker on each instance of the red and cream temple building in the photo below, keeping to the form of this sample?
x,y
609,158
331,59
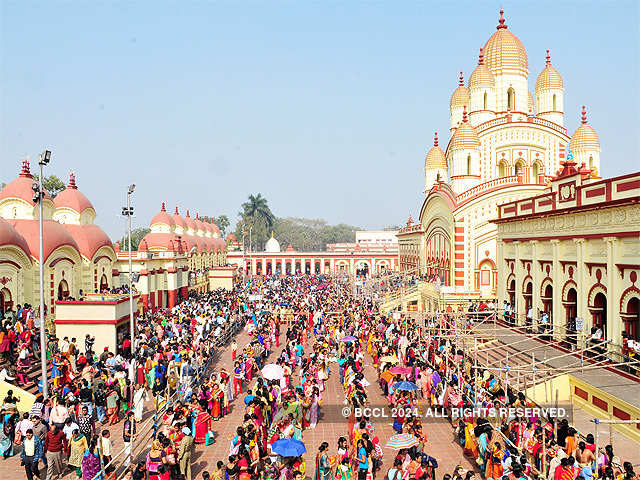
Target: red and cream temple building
x,y
374,257
574,252
174,258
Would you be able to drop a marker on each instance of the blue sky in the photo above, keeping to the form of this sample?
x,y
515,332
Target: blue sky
x,y
326,108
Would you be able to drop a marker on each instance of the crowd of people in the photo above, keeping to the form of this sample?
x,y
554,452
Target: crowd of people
x,y
302,330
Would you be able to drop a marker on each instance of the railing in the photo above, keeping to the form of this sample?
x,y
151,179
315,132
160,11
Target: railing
x,y
496,182
530,119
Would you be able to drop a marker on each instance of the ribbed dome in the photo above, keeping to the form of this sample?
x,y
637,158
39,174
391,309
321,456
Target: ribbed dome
x,y
585,138
21,187
435,157
481,76
54,236
188,221
504,51
549,77
72,198
530,104
9,236
465,136
162,217
90,238
177,219
460,95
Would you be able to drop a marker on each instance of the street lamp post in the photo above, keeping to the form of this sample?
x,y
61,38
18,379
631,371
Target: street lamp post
x,y
38,196
128,212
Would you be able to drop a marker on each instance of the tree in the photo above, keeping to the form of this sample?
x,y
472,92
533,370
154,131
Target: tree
x,y
222,221
137,234
256,217
51,184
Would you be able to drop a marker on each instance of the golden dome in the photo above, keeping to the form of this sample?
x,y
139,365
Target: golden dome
x,y
504,51
549,77
465,135
435,157
530,104
585,138
481,76
460,95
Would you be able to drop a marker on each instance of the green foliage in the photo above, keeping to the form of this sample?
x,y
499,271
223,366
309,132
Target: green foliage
x,y
306,234
137,234
222,221
256,221
51,184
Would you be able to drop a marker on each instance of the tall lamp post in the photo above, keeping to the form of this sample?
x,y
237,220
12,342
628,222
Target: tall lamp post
x,y
38,196
128,212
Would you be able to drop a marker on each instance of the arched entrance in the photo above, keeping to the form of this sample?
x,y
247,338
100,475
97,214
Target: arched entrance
x,y
599,312
269,272
632,319
5,301
527,295
63,290
571,309
104,284
288,268
362,269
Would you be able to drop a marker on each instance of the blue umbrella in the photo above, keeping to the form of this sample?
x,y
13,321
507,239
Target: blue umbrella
x,y
409,386
248,398
288,447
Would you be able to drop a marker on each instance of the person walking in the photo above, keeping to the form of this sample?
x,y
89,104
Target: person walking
x,y
32,453
55,444
184,453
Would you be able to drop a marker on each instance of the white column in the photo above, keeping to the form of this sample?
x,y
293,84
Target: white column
x,y
254,264
519,273
559,312
614,323
581,280
332,265
536,303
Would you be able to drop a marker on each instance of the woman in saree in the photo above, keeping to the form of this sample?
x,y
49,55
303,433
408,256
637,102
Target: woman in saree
x,y
56,370
202,423
323,467
77,446
494,462
470,447
150,372
90,462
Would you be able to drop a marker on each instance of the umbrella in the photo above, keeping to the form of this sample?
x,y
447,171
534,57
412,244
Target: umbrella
x,y
410,386
348,339
288,447
401,440
272,371
386,376
248,398
401,370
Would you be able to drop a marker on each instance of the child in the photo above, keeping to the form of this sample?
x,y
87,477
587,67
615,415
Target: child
x,y
105,446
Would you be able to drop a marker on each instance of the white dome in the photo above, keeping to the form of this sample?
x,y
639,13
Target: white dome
x,y
272,245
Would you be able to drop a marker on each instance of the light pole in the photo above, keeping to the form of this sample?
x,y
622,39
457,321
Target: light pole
x,y
128,212
38,196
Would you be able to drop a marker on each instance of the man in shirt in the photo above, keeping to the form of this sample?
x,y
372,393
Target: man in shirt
x,y
31,454
55,443
69,427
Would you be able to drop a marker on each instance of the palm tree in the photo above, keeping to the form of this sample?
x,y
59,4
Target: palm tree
x,y
257,208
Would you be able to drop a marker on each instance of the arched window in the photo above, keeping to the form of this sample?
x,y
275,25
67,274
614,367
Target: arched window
x,y
590,162
502,169
511,99
554,103
485,101
518,167
468,164
536,172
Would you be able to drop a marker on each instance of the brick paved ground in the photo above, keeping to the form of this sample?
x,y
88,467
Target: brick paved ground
x,y
330,426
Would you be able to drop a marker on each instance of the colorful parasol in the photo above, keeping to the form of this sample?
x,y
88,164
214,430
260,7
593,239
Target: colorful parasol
x,y
401,440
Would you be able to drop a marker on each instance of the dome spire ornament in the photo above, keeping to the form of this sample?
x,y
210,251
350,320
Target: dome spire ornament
x,y
176,212
481,57
72,181
435,139
501,21
464,114
163,208
26,168
584,115
461,80
548,58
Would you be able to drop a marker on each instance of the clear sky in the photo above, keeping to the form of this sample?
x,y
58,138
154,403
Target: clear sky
x,y
326,108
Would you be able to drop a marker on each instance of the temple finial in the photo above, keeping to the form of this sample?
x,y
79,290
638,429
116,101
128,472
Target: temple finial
x,y
435,139
548,58
481,57
72,180
584,115
501,21
461,80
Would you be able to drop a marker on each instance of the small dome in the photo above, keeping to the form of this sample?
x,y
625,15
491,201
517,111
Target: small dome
x,y
72,198
504,51
177,219
90,238
9,236
188,221
21,187
54,236
272,245
158,240
231,238
549,77
460,95
465,135
481,76
435,157
162,217
530,104
199,224
585,138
